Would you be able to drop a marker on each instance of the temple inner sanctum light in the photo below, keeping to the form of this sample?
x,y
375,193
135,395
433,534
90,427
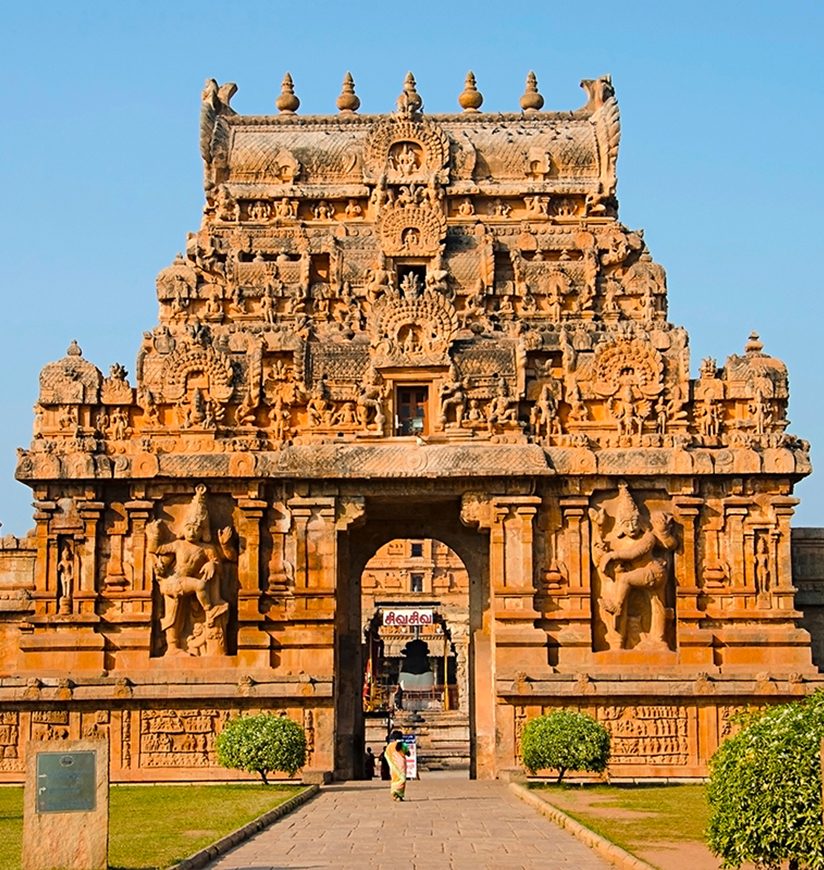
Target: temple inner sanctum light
x,y
414,440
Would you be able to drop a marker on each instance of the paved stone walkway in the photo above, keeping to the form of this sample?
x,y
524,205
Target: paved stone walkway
x,y
446,823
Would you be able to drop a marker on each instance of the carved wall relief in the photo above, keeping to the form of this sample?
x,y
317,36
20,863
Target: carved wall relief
x,y
632,574
647,735
188,574
179,738
9,741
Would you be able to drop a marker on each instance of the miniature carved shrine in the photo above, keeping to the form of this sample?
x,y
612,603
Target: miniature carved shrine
x,y
404,326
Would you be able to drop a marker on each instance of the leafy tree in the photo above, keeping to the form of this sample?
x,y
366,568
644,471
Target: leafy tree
x,y
565,740
261,744
765,789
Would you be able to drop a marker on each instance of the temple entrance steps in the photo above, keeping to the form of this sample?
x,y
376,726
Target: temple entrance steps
x,y
442,737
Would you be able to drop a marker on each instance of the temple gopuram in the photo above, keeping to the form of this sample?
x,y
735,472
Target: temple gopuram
x,y
407,327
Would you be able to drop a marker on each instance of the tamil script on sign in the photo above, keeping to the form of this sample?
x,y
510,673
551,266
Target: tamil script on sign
x,y
408,617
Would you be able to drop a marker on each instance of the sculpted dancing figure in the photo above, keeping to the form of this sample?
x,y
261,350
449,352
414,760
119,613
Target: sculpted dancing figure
x,y
629,556
189,568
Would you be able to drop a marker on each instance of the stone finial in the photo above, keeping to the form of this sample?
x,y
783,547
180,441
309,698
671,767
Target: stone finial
x,y
74,349
287,103
409,102
348,100
754,344
470,99
532,101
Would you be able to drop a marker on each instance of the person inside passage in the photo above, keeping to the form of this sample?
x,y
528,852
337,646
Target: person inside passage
x,y
395,754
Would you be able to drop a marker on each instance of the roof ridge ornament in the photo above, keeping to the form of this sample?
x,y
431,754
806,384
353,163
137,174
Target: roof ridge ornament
x,y
348,102
532,101
409,103
470,99
287,103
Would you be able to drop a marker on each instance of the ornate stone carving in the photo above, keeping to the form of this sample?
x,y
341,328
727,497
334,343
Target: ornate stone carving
x,y
411,326
187,569
632,568
70,381
411,231
403,150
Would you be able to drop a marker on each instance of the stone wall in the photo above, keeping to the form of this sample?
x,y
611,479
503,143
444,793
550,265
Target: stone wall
x,y
808,577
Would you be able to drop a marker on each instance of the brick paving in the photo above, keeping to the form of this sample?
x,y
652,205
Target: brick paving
x,y
446,823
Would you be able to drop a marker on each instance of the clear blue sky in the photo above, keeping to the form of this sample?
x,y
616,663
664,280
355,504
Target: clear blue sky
x,y
723,125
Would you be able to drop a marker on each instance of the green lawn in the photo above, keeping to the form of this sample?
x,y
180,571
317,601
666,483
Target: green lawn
x,y
635,816
156,826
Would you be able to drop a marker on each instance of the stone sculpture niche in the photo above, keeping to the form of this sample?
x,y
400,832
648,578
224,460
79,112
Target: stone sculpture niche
x,y
188,571
632,575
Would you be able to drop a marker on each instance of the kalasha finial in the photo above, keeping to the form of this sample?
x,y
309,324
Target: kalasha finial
x,y
532,101
348,100
287,102
470,98
409,102
754,344
74,349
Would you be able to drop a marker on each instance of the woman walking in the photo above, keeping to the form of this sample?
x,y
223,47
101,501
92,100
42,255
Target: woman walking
x,y
395,754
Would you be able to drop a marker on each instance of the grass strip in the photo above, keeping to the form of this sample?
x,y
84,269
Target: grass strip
x,y
635,816
152,827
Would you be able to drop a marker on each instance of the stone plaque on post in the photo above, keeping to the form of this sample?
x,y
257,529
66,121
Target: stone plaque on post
x,y
66,806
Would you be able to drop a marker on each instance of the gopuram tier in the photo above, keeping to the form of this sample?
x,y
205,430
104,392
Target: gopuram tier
x,y
390,327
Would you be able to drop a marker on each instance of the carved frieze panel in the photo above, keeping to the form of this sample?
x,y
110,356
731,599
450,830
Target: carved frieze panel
x,y
10,756
649,735
178,738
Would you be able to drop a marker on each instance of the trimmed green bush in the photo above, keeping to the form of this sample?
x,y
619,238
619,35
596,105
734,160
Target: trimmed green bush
x,y
261,744
565,740
765,789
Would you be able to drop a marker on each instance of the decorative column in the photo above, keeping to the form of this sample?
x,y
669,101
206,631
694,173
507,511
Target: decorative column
x,y
694,644
575,632
252,643
86,546
508,641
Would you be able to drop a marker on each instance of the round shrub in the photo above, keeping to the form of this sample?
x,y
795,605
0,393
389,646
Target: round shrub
x,y
261,744
765,789
565,740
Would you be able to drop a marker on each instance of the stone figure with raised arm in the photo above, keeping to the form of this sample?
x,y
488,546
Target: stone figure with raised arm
x,y
629,557
188,571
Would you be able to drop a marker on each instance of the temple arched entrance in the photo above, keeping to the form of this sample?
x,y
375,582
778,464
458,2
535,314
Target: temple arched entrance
x,y
415,612
412,589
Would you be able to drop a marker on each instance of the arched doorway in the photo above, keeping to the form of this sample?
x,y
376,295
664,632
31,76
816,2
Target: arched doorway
x,y
388,519
415,612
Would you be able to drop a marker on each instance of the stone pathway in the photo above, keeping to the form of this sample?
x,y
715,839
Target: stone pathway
x,y
446,823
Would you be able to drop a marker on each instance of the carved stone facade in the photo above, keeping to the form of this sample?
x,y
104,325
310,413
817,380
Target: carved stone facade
x,y
404,326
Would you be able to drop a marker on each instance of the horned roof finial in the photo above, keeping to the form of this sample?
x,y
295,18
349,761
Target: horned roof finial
x,y
287,103
348,100
470,99
409,102
532,101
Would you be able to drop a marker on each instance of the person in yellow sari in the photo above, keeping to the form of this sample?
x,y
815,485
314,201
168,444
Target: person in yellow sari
x,y
395,754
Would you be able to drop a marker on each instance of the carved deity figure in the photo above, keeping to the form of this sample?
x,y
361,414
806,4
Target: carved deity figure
x,y
543,417
452,395
188,574
370,402
503,407
632,560
65,580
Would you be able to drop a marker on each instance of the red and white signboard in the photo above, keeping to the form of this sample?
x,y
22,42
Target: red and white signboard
x,y
408,616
